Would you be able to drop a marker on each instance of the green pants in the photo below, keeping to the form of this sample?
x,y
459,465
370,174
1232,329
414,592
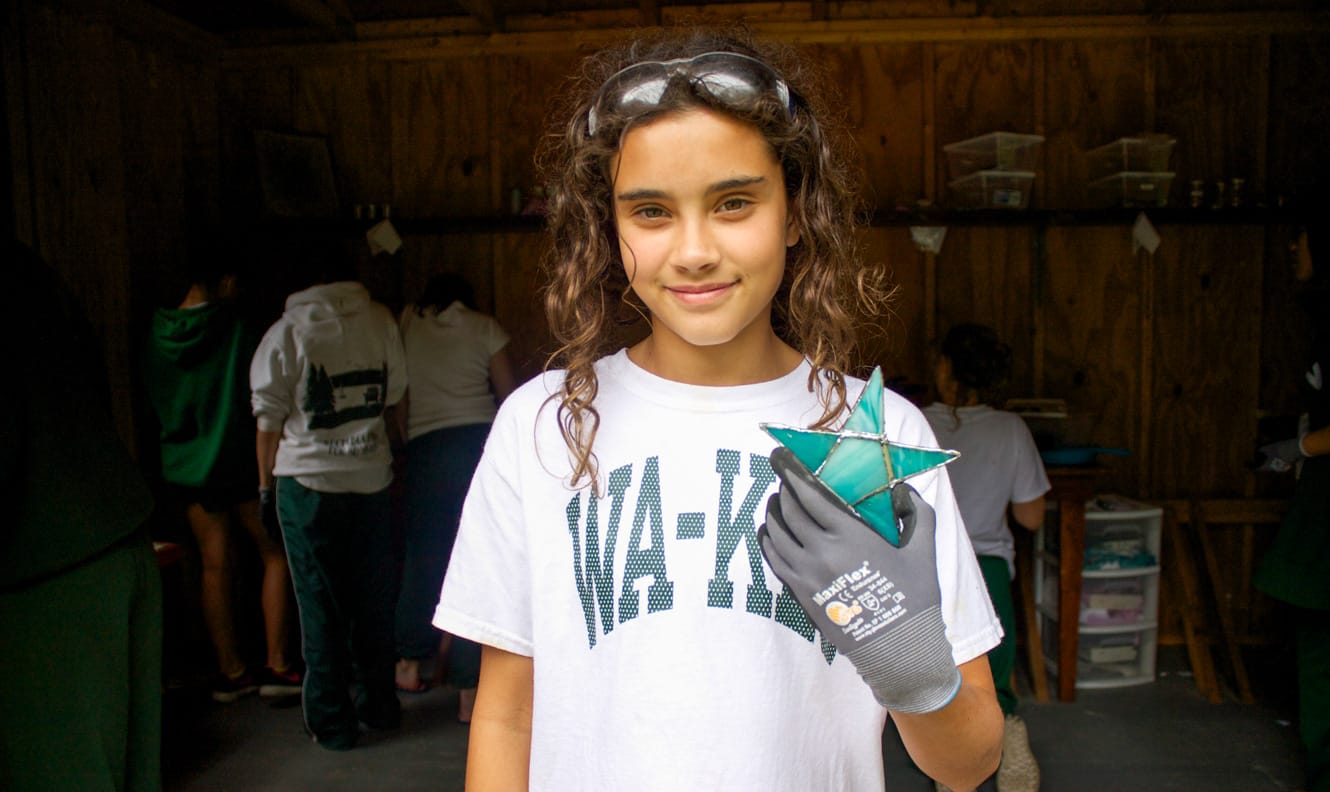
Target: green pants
x,y
1002,658
81,664
339,546
1313,646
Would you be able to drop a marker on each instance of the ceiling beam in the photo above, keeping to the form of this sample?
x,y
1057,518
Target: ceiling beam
x,y
650,12
328,14
485,13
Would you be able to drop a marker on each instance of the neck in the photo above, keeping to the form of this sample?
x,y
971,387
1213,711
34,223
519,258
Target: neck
x,y
717,366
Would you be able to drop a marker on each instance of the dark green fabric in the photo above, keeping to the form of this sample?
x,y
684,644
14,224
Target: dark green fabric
x,y
1002,658
81,667
1313,647
72,489
1297,567
196,371
340,552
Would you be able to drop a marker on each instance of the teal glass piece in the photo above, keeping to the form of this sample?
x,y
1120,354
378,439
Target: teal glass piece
x,y
855,470
858,463
867,414
810,448
907,458
880,515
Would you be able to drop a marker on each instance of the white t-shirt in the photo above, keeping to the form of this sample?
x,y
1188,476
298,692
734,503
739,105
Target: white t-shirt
x,y
665,656
999,464
448,357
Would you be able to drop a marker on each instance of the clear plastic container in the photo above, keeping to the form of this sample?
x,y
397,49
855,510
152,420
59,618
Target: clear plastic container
x,y
1139,153
1010,151
1132,189
993,189
1116,601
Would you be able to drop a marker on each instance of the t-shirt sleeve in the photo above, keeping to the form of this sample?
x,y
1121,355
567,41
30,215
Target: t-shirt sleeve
x,y
486,594
1031,480
496,337
272,379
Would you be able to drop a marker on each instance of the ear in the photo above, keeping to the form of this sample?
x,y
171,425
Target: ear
x,y
792,226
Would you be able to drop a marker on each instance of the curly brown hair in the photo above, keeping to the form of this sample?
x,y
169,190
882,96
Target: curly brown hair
x,y
826,293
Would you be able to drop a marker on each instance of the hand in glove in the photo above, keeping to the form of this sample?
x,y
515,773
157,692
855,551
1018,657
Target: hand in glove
x,y
268,513
879,605
1282,456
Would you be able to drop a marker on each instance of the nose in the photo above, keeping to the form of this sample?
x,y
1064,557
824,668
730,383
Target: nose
x,y
695,246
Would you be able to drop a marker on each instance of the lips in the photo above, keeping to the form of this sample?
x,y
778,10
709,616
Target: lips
x,y
700,293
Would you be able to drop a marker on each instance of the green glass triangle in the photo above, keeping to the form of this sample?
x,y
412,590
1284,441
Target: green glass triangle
x,y
867,414
855,469
878,512
905,461
810,448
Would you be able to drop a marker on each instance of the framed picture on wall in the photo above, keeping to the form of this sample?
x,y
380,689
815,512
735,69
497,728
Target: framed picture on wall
x,y
295,175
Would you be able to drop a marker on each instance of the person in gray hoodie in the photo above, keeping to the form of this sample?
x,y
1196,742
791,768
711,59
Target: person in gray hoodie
x,y
321,381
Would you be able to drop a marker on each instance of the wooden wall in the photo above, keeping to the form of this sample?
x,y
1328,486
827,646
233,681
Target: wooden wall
x,y
113,147
1173,356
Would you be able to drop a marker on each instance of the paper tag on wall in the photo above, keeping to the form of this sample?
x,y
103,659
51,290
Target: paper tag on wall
x,y
1144,235
928,238
383,238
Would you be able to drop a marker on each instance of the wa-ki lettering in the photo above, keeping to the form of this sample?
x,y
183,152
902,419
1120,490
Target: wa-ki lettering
x,y
634,494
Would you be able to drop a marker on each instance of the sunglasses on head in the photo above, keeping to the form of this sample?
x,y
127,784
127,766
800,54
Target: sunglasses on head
x,y
734,80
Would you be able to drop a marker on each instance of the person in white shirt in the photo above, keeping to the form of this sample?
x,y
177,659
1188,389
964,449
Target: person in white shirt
x,y
614,553
999,473
460,370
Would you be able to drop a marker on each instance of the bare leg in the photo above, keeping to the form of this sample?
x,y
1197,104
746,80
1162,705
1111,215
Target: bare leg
x,y
213,536
408,675
276,593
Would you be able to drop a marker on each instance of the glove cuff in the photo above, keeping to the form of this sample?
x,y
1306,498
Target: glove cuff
x,y
914,672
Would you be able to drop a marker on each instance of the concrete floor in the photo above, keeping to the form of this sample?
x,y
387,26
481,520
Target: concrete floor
x,y
1157,737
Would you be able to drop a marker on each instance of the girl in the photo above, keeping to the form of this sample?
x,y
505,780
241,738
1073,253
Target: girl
x,y
459,367
608,559
999,470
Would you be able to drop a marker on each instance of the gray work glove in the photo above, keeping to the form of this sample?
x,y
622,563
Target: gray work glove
x,y
1282,456
878,605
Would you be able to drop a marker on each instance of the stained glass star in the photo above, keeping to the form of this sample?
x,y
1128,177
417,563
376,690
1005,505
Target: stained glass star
x,y
858,462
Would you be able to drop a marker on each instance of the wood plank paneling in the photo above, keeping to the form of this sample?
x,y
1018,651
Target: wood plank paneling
x,y
879,92
986,275
982,88
518,117
1095,94
899,344
1207,99
78,178
350,103
1207,349
441,133
1092,342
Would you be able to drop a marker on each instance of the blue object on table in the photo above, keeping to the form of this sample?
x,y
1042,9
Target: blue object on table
x,y
858,463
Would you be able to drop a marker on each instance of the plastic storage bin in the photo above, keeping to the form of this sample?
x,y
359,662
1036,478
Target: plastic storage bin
x,y
1117,615
1132,188
992,189
1139,153
1009,151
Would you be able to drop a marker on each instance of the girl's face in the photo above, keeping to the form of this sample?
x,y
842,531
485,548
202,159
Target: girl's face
x,y
703,221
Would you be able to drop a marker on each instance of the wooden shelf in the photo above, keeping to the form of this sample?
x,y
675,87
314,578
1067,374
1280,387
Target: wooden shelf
x,y
1073,217
1037,218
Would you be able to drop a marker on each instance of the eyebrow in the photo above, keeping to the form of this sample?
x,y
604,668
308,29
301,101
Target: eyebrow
x,y
647,193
